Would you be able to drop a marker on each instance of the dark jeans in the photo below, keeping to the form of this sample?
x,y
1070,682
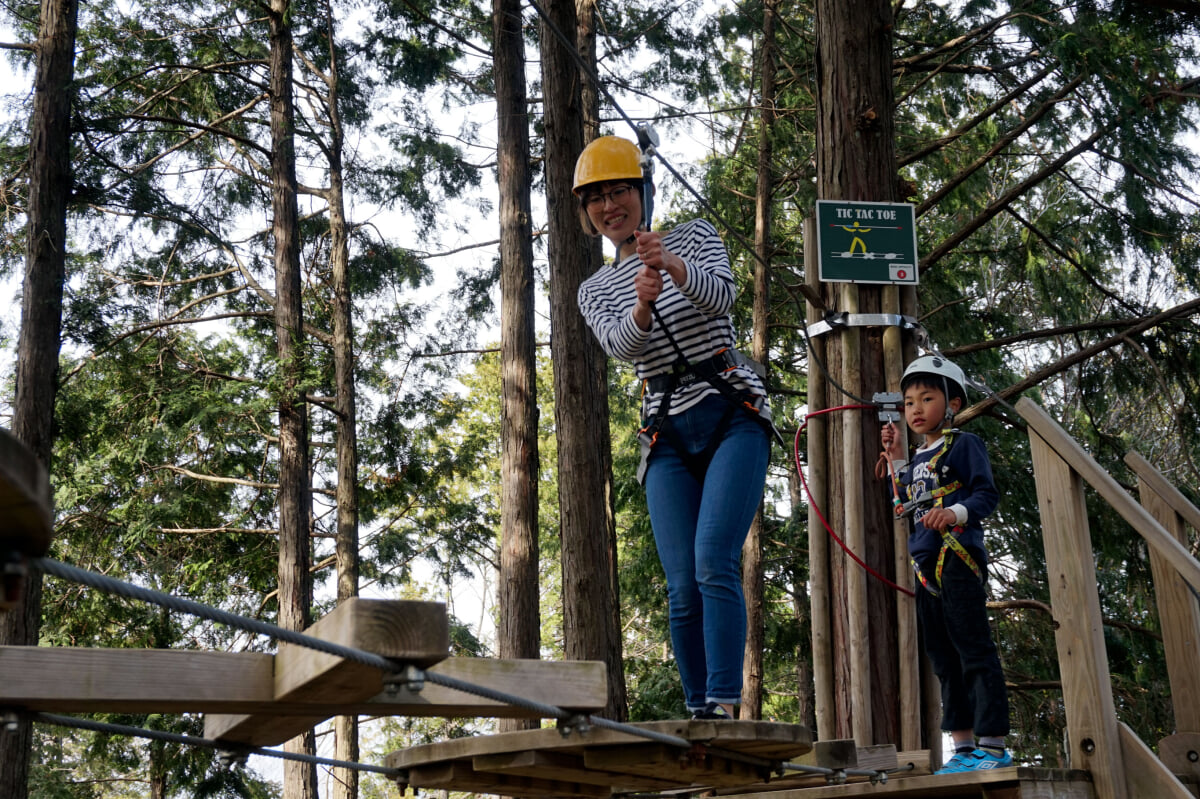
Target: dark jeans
x,y
959,643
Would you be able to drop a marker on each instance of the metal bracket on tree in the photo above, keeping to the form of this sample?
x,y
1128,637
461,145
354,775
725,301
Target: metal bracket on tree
x,y
837,319
889,405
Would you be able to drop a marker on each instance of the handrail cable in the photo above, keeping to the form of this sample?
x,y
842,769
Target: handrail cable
x,y
205,743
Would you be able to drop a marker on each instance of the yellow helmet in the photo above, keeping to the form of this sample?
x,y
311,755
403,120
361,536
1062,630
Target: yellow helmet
x,y
607,158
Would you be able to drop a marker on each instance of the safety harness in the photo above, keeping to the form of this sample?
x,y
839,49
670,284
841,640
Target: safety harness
x,y
683,373
935,498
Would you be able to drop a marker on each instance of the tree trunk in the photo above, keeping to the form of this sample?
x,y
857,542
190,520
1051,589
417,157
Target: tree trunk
x,y
345,728
802,609
50,186
856,161
590,613
752,561
519,634
295,499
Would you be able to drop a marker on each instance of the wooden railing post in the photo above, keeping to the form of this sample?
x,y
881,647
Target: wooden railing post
x,y
1179,616
1094,742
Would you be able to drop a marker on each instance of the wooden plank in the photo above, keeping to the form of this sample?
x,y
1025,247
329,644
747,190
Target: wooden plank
x,y
412,632
1110,490
758,738
881,757
1079,631
1036,783
94,680
83,680
579,685
838,753
459,776
1163,487
1180,753
565,767
25,517
1178,612
696,766
1145,774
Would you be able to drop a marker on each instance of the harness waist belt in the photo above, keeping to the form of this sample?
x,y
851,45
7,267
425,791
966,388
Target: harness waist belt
x,y
723,360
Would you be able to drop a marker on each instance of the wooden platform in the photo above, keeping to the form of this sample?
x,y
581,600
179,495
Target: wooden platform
x,y
601,762
726,759
1017,782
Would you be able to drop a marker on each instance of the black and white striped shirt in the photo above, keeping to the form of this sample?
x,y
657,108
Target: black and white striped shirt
x,y
696,313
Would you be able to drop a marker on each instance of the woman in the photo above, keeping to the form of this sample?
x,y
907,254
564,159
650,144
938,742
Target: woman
x,y
663,305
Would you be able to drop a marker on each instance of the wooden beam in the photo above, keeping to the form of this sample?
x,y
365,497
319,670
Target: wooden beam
x,y
1079,628
1180,753
1026,783
25,518
564,767
458,776
409,632
1145,773
764,739
82,680
1162,486
91,680
1178,612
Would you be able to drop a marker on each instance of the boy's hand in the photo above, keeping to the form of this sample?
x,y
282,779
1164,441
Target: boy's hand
x,y
889,437
939,519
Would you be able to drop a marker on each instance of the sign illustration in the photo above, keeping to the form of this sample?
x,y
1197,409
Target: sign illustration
x,y
862,242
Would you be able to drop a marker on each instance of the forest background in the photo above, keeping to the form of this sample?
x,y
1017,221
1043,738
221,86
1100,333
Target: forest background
x,y
1046,146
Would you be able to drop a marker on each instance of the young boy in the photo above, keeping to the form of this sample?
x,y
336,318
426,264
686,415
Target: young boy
x,y
948,486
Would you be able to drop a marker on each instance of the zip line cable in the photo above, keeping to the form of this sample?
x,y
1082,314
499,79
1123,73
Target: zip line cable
x,y
591,74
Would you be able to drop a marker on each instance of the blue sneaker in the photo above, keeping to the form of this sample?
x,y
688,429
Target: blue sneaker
x,y
955,764
979,760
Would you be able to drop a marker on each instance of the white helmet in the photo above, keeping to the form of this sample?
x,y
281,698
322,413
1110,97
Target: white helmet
x,y
938,367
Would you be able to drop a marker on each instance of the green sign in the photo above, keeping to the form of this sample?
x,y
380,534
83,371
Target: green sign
x,y
866,242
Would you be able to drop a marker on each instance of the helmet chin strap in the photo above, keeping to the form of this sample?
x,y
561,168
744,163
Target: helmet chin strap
x,y
949,417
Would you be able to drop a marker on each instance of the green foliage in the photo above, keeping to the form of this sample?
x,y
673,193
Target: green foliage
x,y
165,423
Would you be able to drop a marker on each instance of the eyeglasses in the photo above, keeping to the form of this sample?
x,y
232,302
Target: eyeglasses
x,y
615,195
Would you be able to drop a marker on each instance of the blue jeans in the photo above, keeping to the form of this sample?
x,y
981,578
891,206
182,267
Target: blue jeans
x,y
958,640
699,530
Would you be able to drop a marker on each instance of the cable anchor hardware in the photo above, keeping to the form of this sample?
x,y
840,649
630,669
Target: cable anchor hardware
x,y
408,677
234,757
577,722
889,405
